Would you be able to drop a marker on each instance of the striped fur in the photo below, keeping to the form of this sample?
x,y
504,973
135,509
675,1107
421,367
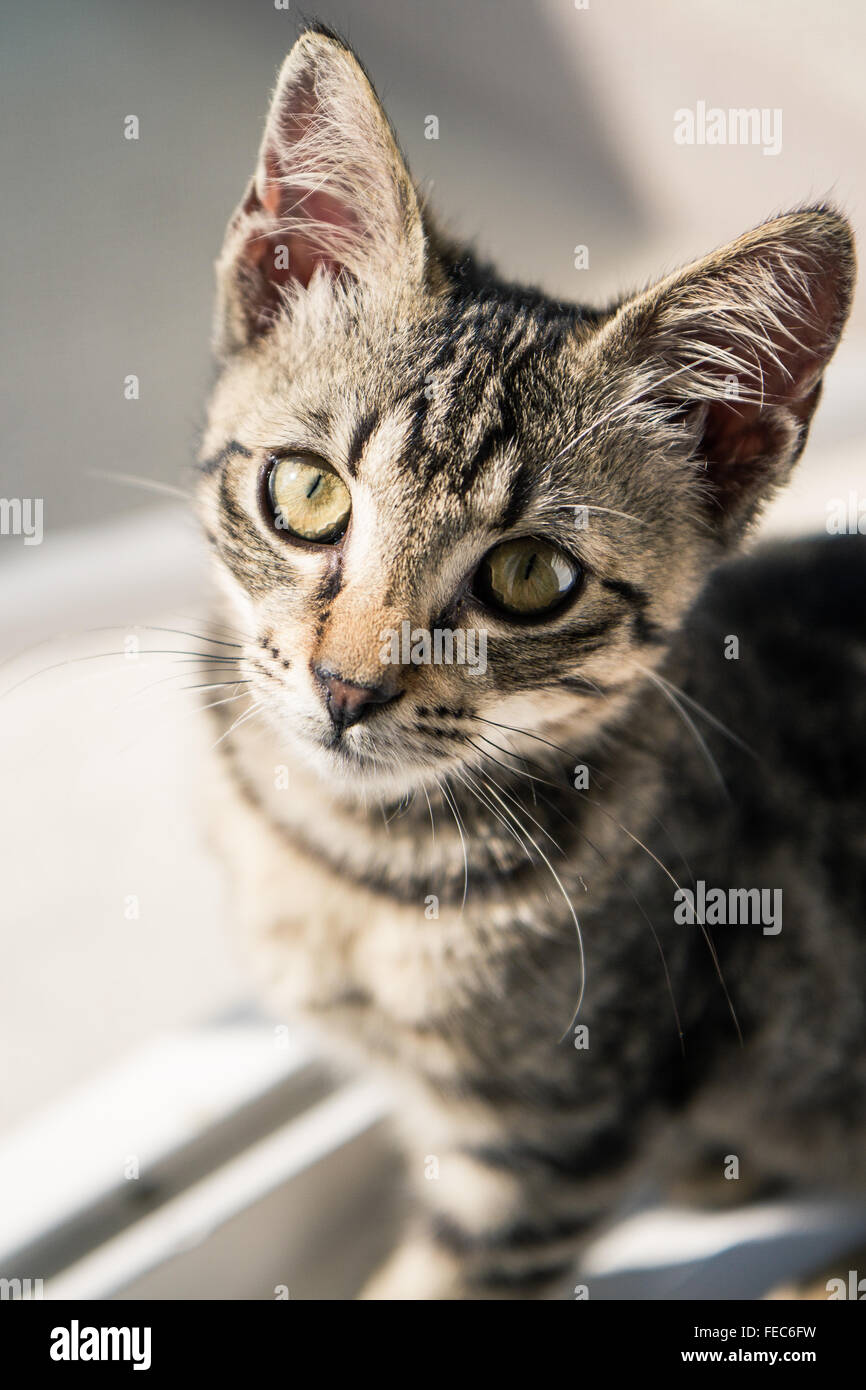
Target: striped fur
x,y
432,889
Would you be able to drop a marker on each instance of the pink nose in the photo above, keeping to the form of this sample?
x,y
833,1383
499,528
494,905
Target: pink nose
x,y
347,702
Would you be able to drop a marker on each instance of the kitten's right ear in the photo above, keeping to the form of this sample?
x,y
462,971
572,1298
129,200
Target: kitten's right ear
x,y
331,193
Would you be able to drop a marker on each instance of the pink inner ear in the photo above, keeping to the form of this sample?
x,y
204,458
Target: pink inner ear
x,y
745,437
296,205
305,253
789,363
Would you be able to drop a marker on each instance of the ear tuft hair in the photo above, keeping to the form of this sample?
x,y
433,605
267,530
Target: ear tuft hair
x,y
331,193
737,344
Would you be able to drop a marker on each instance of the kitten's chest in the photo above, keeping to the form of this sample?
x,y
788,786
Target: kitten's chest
x,y
320,944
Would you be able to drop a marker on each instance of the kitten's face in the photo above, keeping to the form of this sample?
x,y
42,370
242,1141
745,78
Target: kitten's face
x,y
394,450
451,434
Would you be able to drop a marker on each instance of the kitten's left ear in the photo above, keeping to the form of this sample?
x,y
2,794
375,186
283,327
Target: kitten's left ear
x,y
734,347
331,193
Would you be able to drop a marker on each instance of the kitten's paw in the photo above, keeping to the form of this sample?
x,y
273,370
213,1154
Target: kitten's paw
x,y
416,1271
843,1277
704,1183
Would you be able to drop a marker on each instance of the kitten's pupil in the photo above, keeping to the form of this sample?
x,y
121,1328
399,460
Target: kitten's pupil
x,y
316,484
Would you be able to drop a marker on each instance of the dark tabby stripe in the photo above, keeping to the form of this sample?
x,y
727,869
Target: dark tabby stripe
x,y
645,629
516,1281
518,1235
211,465
491,877
592,1155
362,432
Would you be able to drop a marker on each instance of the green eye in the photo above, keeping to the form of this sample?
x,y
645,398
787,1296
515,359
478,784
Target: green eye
x,y
308,499
526,578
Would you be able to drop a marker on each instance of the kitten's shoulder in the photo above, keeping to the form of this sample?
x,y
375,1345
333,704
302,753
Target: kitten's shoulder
x,y
816,583
776,647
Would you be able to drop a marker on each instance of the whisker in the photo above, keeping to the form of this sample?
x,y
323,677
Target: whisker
x,y
402,806
430,809
542,781
135,480
629,890
214,686
101,656
707,938
489,804
510,753
208,622
608,511
459,824
623,407
176,675
566,899
76,635
186,714
571,755
692,727
492,781
259,705
701,709
641,909
179,632
665,870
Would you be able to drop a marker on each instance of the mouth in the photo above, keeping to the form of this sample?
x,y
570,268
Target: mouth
x,y
378,752
366,756
336,743
396,757
377,760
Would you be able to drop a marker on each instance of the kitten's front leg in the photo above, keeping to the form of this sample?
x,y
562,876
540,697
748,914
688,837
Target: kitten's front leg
x,y
422,1269
505,1222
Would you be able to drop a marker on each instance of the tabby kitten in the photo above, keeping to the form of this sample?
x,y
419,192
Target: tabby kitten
x,y
472,873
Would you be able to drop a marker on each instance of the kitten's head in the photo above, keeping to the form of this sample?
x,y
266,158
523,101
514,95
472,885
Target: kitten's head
x,y
400,446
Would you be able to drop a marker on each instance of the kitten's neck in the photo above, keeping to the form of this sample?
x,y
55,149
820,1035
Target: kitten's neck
x,y
491,832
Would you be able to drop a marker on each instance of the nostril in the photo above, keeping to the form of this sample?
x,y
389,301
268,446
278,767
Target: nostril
x,y
348,701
